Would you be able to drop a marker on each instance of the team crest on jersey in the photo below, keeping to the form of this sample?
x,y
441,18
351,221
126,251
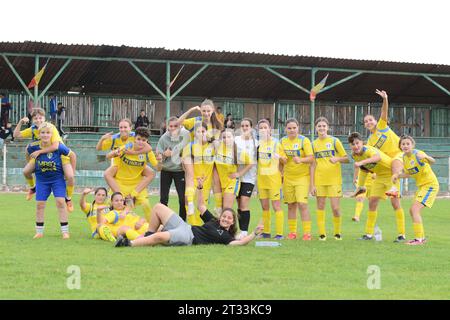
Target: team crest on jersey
x,y
49,155
141,157
412,162
295,146
328,145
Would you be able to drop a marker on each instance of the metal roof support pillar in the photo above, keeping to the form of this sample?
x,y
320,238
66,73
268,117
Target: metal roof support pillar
x,y
36,87
436,84
313,103
340,81
167,92
189,81
17,76
54,78
279,75
143,75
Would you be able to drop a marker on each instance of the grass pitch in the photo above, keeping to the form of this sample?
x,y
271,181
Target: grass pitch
x,y
41,269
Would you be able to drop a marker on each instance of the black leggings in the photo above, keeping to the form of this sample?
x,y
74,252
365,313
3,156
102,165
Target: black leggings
x,y
166,182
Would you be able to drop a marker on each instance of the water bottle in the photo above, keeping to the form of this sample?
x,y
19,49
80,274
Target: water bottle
x,y
378,234
267,244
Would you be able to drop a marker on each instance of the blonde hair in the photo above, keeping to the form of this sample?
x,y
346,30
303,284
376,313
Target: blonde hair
x,y
37,111
45,125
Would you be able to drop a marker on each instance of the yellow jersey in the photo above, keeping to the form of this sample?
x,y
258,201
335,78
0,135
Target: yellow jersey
x,y
202,156
381,168
298,147
189,124
384,139
91,214
227,161
33,134
269,175
130,166
420,170
116,141
327,173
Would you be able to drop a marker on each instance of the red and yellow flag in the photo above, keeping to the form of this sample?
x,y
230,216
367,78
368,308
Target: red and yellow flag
x,y
316,89
35,81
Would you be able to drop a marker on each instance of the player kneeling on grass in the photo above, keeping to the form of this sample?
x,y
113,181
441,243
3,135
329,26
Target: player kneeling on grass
x,y
132,176
120,220
49,178
90,209
68,164
417,166
177,232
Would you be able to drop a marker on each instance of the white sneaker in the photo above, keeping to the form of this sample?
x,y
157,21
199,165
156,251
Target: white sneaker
x,y
191,209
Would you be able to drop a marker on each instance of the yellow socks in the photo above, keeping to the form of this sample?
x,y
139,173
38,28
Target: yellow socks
x,y
371,221
69,191
337,222
292,225
266,221
321,221
306,227
32,183
132,234
218,200
190,191
279,223
358,209
418,231
400,219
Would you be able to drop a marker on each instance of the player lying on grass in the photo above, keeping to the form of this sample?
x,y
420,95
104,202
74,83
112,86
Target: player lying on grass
x,y
120,220
371,160
176,232
128,169
49,178
417,166
69,164
90,209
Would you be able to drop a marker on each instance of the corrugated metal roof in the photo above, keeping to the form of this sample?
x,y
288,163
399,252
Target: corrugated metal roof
x,y
219,81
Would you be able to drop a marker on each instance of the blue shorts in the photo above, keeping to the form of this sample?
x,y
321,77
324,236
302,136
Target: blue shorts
x,y
44,189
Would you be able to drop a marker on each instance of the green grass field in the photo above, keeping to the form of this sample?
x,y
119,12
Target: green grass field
x,y
37,269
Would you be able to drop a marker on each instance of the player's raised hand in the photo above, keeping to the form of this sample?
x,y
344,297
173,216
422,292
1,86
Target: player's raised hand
x,y
87,191
101,208
381,93
107,135
158,157
24,120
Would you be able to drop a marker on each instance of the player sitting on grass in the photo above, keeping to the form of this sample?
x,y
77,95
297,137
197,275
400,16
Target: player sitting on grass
x,y
369,159
177,232
417,166
49,178
129,168
69,164
90,209
120,220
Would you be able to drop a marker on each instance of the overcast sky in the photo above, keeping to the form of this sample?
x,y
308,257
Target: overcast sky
x,y
394,30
